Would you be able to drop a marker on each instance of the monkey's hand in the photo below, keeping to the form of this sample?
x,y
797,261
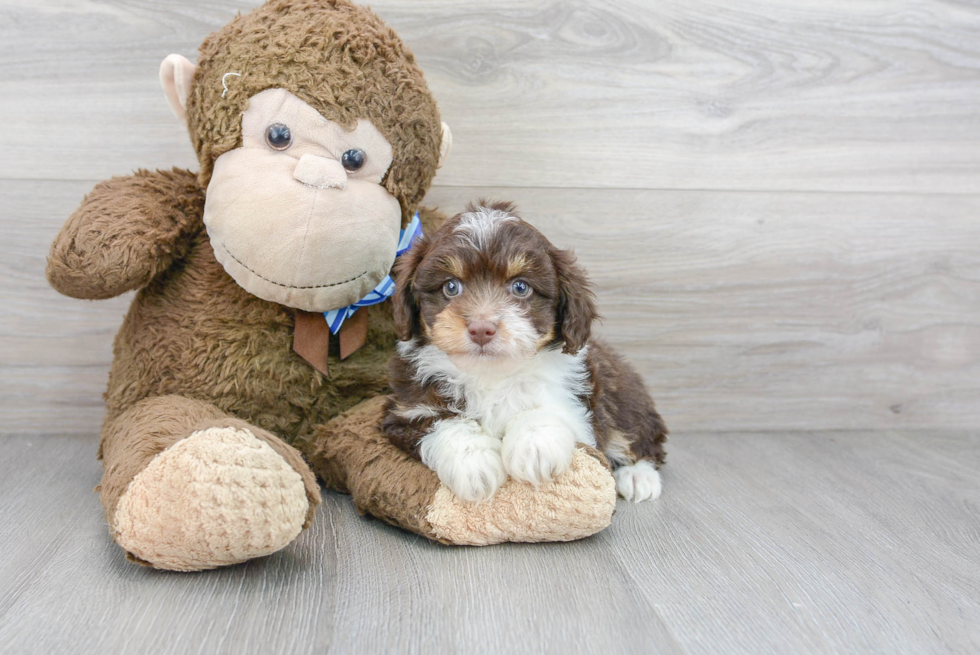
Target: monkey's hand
x,y
126,232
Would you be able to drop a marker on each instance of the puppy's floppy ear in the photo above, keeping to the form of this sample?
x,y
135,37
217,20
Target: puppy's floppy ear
x,y
405,302
576,302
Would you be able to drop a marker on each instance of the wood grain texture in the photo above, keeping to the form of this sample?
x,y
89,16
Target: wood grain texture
x,y
704,94
777,201
773,311
763,311
800,542
64,586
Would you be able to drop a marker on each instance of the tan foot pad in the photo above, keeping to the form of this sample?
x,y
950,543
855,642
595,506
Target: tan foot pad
x,y
220,496
579,503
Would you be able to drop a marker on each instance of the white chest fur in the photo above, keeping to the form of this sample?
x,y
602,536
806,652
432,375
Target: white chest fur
x,y
492,393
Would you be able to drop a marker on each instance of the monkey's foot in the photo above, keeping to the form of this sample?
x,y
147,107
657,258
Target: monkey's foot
x,y
218,497
352,455
576,504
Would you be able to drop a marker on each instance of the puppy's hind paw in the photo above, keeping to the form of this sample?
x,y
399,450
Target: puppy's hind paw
x,y
638,482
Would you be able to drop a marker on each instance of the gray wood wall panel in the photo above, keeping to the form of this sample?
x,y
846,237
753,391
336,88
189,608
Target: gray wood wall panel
x,y
778,202
743,310
704,94
748,300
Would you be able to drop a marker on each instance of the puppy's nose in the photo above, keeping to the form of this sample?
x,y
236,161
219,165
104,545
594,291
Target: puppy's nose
x,y
481,332
321,172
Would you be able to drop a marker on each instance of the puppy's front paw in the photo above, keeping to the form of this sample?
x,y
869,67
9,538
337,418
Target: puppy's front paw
x,y
475,475
537,448
638,482
466,459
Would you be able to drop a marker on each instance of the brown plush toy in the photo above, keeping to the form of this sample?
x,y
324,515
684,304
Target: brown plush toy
x,y
317,139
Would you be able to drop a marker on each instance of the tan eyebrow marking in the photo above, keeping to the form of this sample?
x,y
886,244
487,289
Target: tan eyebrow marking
x,y
453,265
516,265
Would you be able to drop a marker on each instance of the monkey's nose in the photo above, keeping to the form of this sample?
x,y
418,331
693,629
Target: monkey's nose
x,y
481,332
320,172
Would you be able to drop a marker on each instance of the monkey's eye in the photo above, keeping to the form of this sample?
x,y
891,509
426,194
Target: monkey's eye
x,y
452,288
353,159
278,136
520,288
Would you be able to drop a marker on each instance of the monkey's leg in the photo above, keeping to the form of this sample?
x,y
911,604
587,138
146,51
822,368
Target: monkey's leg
x,y
352,455
186,487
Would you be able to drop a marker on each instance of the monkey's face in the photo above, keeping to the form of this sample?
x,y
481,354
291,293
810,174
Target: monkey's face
x,y
298,215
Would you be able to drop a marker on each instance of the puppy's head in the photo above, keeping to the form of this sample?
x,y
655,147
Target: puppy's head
x,y
488,286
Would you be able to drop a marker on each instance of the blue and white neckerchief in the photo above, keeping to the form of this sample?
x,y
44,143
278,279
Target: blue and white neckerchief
x,y
336,317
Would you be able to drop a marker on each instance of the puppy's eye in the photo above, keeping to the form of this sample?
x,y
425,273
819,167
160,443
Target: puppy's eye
x,y
520,288
353,159
452,288
278,136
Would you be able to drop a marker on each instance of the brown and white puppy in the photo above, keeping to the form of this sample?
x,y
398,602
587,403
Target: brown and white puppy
x,y
497,372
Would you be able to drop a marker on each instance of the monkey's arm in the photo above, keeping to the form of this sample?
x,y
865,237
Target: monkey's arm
x,y
127,231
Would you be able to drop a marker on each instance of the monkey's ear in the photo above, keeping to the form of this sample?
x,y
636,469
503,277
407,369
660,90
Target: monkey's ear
x,y
576,302
445,145
405,302
176,73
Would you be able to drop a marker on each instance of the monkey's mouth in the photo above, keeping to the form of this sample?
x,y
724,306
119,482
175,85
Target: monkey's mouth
x,y
290,286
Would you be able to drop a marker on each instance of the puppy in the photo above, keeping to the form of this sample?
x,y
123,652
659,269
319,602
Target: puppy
x,y
497,373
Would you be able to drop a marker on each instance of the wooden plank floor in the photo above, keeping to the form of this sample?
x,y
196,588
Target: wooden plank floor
x,y
831,542
777,201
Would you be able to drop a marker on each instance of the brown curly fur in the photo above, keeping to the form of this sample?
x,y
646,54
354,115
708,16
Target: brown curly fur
x,y
340,59
196,350
194,343
131,230
193,331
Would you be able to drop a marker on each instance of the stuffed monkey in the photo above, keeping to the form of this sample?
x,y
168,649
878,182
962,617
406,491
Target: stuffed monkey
x,y
258,326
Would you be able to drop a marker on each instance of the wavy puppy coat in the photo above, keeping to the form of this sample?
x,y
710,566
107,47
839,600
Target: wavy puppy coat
x,y
497,373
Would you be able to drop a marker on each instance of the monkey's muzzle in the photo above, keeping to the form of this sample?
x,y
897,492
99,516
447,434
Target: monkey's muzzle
x,y
316,246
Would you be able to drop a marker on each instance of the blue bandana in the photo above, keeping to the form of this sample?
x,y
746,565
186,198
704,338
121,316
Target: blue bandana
x,y
336,317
